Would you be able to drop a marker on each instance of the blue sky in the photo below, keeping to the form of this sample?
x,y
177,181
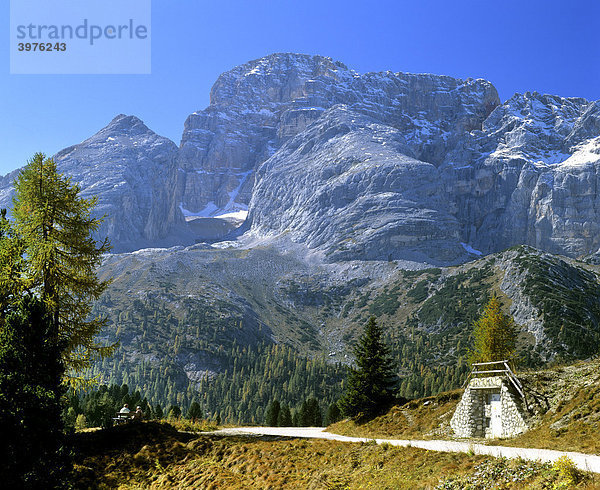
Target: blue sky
x,y
547,46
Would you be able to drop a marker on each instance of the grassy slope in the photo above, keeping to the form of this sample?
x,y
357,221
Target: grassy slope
x,y
157,456
564,403
566,407
425,418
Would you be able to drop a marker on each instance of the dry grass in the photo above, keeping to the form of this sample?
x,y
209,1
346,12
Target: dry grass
x,y
199,425
158,456
426,418
564,403
245,463
567,412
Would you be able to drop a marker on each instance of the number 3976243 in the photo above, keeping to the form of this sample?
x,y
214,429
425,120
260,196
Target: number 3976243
x,y
42,46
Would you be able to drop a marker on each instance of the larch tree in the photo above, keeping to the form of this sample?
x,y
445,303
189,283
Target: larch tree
x,y
372,385
495,335
56,226
11,266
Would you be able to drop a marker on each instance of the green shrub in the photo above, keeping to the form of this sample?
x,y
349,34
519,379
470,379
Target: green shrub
x,y
568,474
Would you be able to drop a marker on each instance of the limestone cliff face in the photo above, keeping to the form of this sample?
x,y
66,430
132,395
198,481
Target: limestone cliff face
x,y
352,188
355,166
126,165
257,107
529,177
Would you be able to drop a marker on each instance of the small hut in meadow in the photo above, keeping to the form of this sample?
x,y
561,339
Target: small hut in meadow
x,y
493,404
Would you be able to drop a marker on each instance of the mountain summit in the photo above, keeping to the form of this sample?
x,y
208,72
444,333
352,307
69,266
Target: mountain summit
x,y
355,166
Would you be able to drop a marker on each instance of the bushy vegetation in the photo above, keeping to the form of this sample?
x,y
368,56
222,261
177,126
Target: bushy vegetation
x,y
164,325
569,298
459,299
161,333
32,452
516,473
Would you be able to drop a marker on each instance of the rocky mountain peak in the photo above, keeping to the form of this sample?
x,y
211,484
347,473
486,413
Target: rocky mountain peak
x,y
124,123
123,133
127,165
380,165
258,106
283,75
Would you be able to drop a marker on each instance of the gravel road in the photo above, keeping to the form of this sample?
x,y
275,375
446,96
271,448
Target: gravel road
x,y
587,462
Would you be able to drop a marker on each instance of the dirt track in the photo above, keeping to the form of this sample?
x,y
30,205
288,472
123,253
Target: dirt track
x,y
587,462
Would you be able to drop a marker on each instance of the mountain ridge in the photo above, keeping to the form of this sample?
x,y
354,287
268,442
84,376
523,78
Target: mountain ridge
x,y
254,109
499,174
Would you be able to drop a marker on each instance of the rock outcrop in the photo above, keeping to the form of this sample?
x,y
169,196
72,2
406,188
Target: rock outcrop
x,y
529,177
257,107
355,166
127,166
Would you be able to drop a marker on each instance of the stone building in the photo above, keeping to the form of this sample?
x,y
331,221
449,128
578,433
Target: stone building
x,y
490,407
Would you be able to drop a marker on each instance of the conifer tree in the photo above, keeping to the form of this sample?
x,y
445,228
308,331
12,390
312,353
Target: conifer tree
x,y
55,226
495,335
32,452
194,412
373,383
285,417
174,412
11,266
333,414
310,413
272,413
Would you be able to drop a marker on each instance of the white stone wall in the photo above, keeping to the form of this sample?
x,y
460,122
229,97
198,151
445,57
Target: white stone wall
x,y
464,420
469,419
513,419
